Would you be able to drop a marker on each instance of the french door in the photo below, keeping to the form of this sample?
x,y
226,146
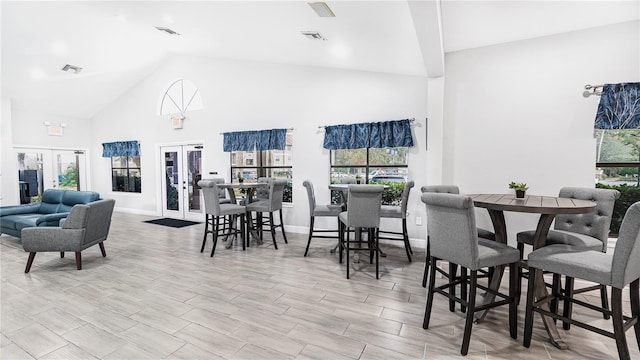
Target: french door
x,y
41,169
181,171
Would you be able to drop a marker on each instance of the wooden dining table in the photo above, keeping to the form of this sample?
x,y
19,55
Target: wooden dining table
x,y
548,207
250,188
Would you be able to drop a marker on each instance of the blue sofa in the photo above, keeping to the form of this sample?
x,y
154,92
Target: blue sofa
x,y
55,205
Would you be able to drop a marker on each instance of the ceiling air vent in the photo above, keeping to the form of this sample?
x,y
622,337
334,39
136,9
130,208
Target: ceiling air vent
x,y
313,35
72,68
167,30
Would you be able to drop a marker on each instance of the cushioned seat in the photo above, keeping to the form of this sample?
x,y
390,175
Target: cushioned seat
x,y
319,210
618,270
562,237
451,226
391,211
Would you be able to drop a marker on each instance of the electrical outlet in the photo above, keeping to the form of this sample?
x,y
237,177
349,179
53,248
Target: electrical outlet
x,y
418,220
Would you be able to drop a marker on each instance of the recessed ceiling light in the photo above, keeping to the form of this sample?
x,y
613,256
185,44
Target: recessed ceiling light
x,y
167,30
168,19
322,9
121,18
72,68
313,35
339,51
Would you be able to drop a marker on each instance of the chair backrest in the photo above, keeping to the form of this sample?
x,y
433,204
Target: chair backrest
x,y
363,205
626,267
593,224
405,197
451,225
222,194
444,189
262,192
310,195
276,190
94,217
347,180
211,194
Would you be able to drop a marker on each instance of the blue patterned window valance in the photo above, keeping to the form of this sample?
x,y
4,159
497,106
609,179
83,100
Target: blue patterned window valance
x,y
619,107
382,134
261,140
121,148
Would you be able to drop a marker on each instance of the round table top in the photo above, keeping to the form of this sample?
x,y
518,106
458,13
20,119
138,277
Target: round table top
x,y
533,204
346,186
242,185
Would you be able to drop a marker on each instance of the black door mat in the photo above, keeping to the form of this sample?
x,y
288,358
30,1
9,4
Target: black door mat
x,y
175,223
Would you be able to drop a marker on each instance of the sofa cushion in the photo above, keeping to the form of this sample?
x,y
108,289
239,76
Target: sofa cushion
x,y
70,198
51,199
24,221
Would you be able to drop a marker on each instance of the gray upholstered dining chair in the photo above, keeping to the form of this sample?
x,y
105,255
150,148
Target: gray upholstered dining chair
x,y
272,204
363,212
590,231
451,224
216,211
85,226
399,212
319,211
262,192
453,268
617,270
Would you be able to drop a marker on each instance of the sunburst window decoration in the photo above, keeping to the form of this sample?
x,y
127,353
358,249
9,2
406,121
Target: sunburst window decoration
x,y
179,97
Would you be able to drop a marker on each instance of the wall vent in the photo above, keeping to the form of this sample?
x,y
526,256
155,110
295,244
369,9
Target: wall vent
x,y
167,30
313,35
72,68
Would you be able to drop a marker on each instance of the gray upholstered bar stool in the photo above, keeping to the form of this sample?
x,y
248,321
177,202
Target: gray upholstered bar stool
x,y
262,192
451,224
453,268
589,231
320,211
617,270
214,211
399,212
272,204
363,212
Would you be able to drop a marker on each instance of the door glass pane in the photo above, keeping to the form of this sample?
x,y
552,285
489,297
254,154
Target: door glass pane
x,y
67,171
194,164
30,176
171,177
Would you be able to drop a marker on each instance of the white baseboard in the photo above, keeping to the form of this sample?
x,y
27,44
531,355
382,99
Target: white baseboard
x,y
135,211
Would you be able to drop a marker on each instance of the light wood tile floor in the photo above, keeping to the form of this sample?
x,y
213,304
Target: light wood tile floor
x,y
155,296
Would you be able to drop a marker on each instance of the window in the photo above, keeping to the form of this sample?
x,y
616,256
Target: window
x,y
618,157
125,174
372,165
277,164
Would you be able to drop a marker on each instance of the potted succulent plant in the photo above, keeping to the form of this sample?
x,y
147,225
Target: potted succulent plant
x,y
358,179
520,189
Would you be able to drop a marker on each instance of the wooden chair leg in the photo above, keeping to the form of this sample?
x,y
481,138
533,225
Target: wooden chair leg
x,y
568,306
61,254
634,295
310,235
472,304
430,292
453,269
528,315
376,236
273,230
405,238
215,228
604,300
347,250
555,289
243,232
284,235
426,265
520,274
32,255
514,294
78,260
102,250
463,287
206,229
618,324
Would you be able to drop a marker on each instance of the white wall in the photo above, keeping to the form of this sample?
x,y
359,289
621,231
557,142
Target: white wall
x,y
9,194
515,112
28,129
240,95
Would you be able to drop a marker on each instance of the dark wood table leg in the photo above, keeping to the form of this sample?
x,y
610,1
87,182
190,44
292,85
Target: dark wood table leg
x,y
541,290
500,228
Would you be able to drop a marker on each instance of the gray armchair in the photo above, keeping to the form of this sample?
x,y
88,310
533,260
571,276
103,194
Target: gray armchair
x,y
86,225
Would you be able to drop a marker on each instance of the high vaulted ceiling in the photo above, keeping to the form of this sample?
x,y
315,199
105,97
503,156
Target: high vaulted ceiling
x,y
116,42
